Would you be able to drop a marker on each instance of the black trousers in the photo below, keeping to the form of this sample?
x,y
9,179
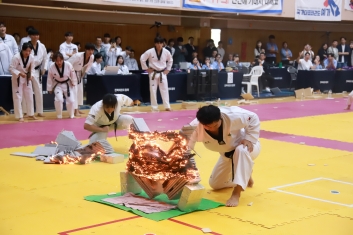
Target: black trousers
x,y
267,80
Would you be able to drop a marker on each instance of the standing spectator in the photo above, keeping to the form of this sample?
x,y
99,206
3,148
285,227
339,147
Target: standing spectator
x,y
160,63
98,48
180,51
170,46
350,57
286,53
118,41
272,50
207,51
190,48
8,39
258,49
333,49
27,38
323,52
131,61
307,48
17,38
330,62
112,53
220,49
5,59
67,48
78,44
106,42
213,55
343,53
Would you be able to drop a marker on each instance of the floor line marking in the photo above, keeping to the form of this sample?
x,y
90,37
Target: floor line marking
x,y
338,181
296,183
97,225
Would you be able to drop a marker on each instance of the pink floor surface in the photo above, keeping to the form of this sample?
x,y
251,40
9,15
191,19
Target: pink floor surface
x,y
39,132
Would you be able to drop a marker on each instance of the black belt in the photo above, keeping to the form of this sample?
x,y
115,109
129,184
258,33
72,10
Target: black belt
x,y
230,155
115,128
40,75
160,74
79,80
67,84
18,81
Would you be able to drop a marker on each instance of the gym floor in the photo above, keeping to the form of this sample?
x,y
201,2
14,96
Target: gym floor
x,y
307,155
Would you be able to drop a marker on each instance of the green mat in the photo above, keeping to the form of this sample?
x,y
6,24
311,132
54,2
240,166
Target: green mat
x,y
204,205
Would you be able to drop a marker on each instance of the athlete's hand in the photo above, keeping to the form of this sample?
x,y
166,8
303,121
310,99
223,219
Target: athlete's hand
x,y
105,129
247,143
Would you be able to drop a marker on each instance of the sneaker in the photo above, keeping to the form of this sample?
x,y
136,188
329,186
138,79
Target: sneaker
x,y
155,110
268,89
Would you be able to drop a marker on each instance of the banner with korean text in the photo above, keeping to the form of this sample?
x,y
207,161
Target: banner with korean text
x,y
151,3
237,6
318,10
348,5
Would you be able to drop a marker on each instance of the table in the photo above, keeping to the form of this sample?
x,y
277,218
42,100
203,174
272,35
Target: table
x,y
176,86
98,86
6,92
281,76
322,80
232,89
343,81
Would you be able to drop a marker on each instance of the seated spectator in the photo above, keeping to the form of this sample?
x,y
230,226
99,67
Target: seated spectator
x,y
123,69
131,61
96,67
207,65
286,53
195,64
316,63
330,62
236,61
307,48
230,59
323,52
304,64
98,48
217,64
170,46
112,53
213,57
267,79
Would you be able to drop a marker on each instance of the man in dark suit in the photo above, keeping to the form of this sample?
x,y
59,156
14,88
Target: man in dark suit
x,y
267,79
180,52
190,48
343,53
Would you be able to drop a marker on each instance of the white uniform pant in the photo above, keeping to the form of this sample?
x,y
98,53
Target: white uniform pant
x,y
78,92
163,88
350,98
20,92
123,122
38,94
60,91
243,162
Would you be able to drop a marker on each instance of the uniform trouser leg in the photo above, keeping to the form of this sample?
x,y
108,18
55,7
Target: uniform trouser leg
x,y
350,98
38,92
79,94
123,122
163,88
153,91
243,162
60,90
20,92
74,95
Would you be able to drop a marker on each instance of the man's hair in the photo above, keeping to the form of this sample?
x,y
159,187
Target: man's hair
x,y
106,35
77,43
58,55
97,56
33,32
128,48
262,53
69,34
99,37
351,41
306,53
180,39
208,114
330,54
158,39
49,50
25,46
89,46
28,28
334,41
170,40
271,37
343,38
191,38
132,51
110,101
220,42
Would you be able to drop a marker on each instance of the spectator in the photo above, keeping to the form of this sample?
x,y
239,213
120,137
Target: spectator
x,y
272,50
180,52
258,49
17,38
118,41
131,61
213,55
123,69
350,57
5,59
343,53
230,59
190,49
27,38
78,44
323,52
236,61
96,67
307,48
207,51
220,49
304,64
67,48
126,53
112,53
266,78
316,63
217,64
8,39
170,46
286,53
98,48
333,49
195,65
207,65
330,62
106,44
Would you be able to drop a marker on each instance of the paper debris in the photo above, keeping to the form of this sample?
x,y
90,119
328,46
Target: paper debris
x,y
250,203
325,165
159,120
274,107
301,142
172,119
190,117
206,230
293,137
176,118
111,194
311,164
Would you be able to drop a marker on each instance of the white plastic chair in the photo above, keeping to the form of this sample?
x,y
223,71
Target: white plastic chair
x,y
255,73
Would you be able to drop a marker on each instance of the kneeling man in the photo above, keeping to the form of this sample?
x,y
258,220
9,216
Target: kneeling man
x,y
234,133
105,116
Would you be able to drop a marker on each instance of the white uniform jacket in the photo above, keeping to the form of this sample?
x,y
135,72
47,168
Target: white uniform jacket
x,y
54,77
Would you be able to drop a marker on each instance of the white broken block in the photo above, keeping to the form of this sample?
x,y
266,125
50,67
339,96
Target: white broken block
x,y
112,158
250,203
128,183
31,155
206,230
41,158
45,151
68,139
140,125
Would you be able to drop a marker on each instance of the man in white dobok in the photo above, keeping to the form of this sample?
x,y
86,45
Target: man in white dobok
x,y
234,133
5,59
105,116
160,62
82,62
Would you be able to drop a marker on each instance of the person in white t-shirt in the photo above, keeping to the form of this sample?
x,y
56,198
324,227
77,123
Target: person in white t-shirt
x,y
67,48
304,64
96,67
220,49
